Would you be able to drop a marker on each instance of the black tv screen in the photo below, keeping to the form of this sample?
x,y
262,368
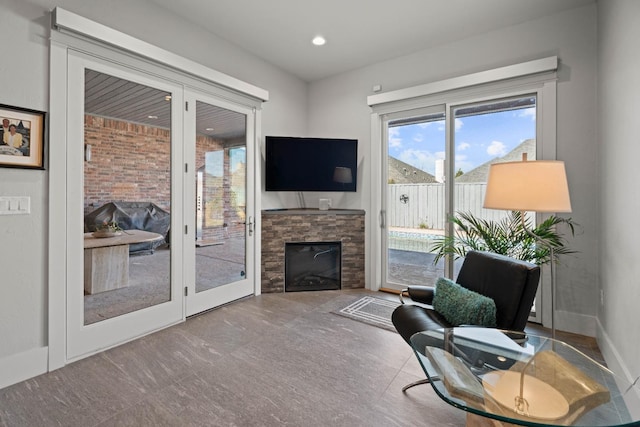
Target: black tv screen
x,y
310,164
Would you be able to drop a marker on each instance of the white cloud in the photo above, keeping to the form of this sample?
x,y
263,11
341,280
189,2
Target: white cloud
x,y
463,146
418,137
424,125
394,140
421,159
461,158
528,112
497,149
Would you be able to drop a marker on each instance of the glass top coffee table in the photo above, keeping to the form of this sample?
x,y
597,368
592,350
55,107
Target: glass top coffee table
x,y
523,379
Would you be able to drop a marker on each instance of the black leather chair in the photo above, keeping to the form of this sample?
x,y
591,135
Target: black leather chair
x,y
511,283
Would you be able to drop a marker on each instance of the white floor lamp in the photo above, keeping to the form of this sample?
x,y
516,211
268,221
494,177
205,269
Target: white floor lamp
x,y
535,186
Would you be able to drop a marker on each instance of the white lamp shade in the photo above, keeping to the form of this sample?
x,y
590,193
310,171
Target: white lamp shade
x,y
342,175
538,186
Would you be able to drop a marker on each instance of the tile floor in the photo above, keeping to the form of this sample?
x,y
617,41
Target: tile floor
x,y
272,360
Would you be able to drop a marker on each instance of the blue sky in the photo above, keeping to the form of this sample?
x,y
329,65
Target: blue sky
x,y
479,138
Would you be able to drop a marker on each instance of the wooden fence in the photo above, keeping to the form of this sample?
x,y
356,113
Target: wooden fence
x,y
422,205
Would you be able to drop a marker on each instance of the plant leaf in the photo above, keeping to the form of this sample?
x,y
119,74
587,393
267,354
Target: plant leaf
x,y
513,236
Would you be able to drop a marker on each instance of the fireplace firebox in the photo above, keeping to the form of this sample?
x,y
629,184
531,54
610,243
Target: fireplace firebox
x,y
312,266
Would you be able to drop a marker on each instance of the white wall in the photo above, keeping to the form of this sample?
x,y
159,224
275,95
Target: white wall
x,y
23,238
338,107
619,151
24,30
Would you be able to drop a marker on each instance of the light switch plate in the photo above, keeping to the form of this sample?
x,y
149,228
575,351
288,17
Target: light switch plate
x,y
15,205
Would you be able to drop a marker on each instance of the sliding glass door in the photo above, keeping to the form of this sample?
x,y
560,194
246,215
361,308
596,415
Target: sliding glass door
x,y
436,162
487,132
414,196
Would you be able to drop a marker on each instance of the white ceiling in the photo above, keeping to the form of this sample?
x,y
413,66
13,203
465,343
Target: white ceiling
x,y
358,32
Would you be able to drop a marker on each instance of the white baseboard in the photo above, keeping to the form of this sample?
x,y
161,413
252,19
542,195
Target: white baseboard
x,y
22,366
617,365
591,326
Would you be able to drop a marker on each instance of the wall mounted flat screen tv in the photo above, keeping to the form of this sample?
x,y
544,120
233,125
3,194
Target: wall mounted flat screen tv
x,y
310,164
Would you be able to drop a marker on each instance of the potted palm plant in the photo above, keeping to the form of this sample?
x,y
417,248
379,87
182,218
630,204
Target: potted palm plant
x,y
512,236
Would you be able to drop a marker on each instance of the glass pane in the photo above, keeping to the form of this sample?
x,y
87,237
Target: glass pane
x,y
127,196
492,132
221,184
415,198
499,131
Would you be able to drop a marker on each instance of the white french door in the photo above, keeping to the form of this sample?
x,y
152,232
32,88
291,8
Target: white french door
x,y
111,296
219,201
126,149
141,139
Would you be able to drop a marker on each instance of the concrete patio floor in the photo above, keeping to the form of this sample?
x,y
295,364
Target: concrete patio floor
x,y
149,279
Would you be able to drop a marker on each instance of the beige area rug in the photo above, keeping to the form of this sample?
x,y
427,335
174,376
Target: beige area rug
x,y
370,310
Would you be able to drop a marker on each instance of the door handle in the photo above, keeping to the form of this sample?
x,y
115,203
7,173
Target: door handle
x,y
250,225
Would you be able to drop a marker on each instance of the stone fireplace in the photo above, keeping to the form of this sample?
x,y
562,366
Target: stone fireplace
x,y
312,227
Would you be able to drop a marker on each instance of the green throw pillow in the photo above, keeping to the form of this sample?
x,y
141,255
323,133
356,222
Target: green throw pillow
x,y
460,306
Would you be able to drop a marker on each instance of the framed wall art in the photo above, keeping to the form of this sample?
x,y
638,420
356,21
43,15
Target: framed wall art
x,y
21,137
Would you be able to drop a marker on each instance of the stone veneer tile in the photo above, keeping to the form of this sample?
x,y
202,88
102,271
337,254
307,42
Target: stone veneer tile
x,y
297,226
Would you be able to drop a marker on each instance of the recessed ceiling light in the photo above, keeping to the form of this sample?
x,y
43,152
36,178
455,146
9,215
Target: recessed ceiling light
x,y
152,117
318,40
209,129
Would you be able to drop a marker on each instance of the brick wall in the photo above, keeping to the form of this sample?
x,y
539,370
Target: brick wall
x,y
131,162
279,228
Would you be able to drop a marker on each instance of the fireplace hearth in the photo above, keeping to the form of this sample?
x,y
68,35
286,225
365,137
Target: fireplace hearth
x,y
312,266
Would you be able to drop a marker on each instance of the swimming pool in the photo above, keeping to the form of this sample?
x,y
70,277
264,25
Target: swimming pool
x,y
411,241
